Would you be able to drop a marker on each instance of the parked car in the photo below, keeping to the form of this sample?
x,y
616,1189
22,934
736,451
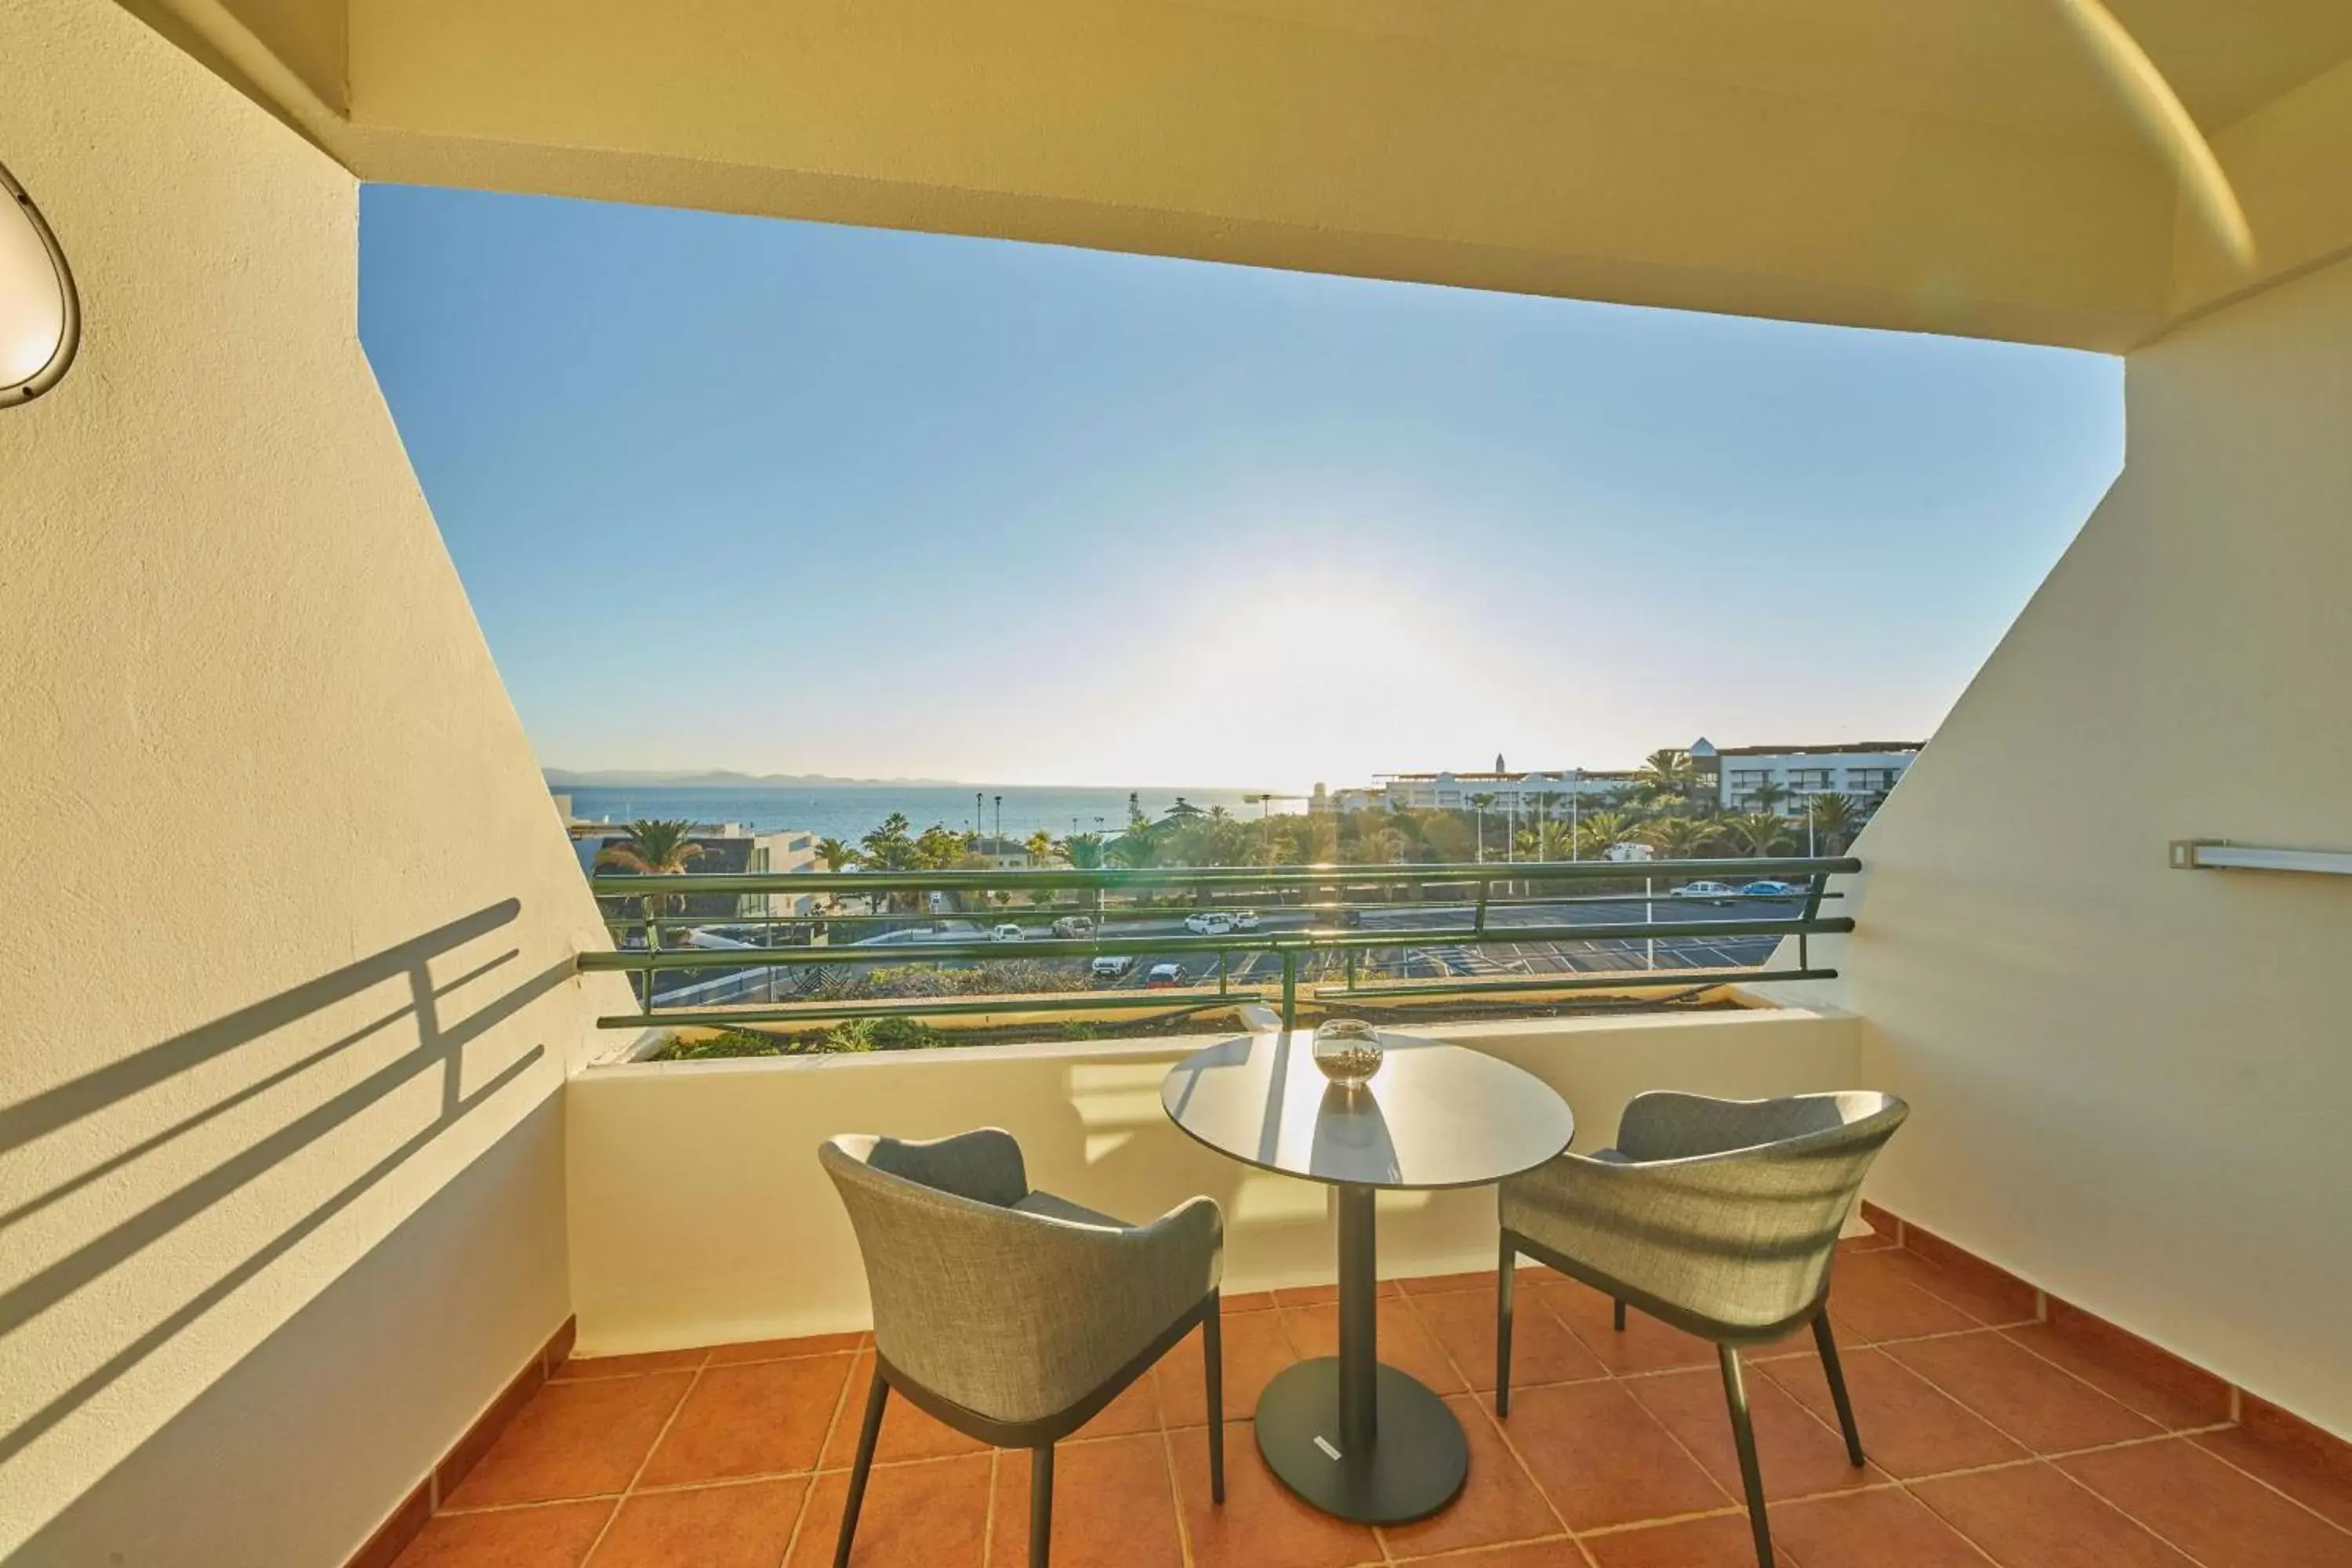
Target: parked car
x,y
1770,890
1245,921
1209,922
1161,976
1076,927
1351,918
1006,933
1713,892
1111,965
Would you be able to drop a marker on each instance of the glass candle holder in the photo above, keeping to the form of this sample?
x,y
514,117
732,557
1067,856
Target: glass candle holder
x,y
1349,1051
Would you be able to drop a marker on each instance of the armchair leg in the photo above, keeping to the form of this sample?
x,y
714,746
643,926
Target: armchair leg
x,y
1041,1505
1212,1353
1743,1432
1618,1315
1506,1272
1827,1343
875,1398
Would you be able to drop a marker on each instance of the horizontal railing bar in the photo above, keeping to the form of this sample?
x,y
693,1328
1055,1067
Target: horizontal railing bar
x,y
1011,916
894,1007
1619,980
613,885
1276,941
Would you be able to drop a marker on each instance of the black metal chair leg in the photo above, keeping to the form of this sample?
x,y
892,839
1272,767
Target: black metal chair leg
x,y
1507,1271
1743,1432
1618,1314
1041,1505
1827,1344
1212,1356
878,1396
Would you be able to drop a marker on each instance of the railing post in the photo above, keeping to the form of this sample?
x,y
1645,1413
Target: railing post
x,y
1484,888
652,947
1352,955
1289,989
1224,966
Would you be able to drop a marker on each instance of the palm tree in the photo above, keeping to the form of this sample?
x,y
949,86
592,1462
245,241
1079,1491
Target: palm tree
x,y
1757,832
1084,851
1040,846
1668,775
1678,837
1599,832
1834,819
1768,796
837,855
1545,841
1484,802
654,848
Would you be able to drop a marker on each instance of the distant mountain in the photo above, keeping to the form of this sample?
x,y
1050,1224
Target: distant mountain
x,y
708,778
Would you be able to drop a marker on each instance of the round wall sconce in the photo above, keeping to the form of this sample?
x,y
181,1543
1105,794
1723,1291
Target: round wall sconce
x,y
40,316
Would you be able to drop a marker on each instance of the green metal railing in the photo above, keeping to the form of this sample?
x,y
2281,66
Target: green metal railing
x,y
1280,892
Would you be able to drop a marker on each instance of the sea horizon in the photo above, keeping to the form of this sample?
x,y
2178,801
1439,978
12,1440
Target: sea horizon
x,y
849,811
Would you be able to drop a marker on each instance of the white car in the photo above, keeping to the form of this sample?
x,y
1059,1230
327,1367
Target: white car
x,y
1005,934
1111,965
1245,921
1209,922
1714,892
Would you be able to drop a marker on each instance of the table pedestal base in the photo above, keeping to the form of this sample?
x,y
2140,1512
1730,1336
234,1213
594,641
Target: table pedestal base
x,y
1415,1466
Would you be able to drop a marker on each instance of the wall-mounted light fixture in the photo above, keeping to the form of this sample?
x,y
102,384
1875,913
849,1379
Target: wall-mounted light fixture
x,y
40,316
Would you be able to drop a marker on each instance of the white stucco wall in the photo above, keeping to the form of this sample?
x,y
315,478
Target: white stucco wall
x,y
700,1215
2130,1084
289,923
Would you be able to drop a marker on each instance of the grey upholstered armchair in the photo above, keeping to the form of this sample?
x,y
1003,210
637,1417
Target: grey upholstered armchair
x,y
1719,1217
1010,1315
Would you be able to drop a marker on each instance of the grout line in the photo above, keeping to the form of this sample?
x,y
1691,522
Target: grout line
x,y
2227,1464
988,1514
638,1474
2150,1530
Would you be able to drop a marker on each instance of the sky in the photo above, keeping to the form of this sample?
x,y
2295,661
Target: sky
x,y
735,492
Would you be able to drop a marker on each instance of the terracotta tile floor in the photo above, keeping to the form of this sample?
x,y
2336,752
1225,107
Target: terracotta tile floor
x,y
1989,1443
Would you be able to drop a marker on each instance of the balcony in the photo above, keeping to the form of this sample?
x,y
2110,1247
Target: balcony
x,y
345,1225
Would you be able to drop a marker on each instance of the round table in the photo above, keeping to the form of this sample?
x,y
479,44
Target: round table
x,y
1355,1437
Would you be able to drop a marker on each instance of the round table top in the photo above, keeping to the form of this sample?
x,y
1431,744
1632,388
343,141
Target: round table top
x,y
1434,1116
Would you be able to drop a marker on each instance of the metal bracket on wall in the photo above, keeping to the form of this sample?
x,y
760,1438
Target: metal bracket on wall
x,y
2221,854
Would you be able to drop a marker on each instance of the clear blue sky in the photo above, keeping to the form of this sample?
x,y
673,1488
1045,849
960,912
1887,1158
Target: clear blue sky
x,y
734,492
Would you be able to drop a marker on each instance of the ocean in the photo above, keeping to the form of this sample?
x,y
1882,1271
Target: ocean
x,y
850,811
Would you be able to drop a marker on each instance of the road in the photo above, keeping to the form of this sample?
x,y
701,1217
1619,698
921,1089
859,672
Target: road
x,y
1427,959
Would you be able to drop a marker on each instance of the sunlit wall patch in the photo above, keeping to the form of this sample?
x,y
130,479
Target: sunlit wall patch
x,y
40,314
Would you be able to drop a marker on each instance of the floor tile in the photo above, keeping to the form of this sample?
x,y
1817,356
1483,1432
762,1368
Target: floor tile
x,y
1261,1523
745,1525
1404,1344
2048,1410
934,1513
556,1536
1908,1429
1113,1506
777,1349
1979,1289
1558,1552
750,1419
1645,1345
2195,1400
2313,1485
1498,1503
1869,1530
574,1441
1543,1350
1876,1296
1724,1542
1325,1295
1256,1348
1248,1301
1134,1409
1447,1284
1798,1455
2030,1516
906,1432
2219,1516
575,1368
1603,1459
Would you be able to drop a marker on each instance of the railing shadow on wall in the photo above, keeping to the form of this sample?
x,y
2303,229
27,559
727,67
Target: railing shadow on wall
x,y
440,1042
